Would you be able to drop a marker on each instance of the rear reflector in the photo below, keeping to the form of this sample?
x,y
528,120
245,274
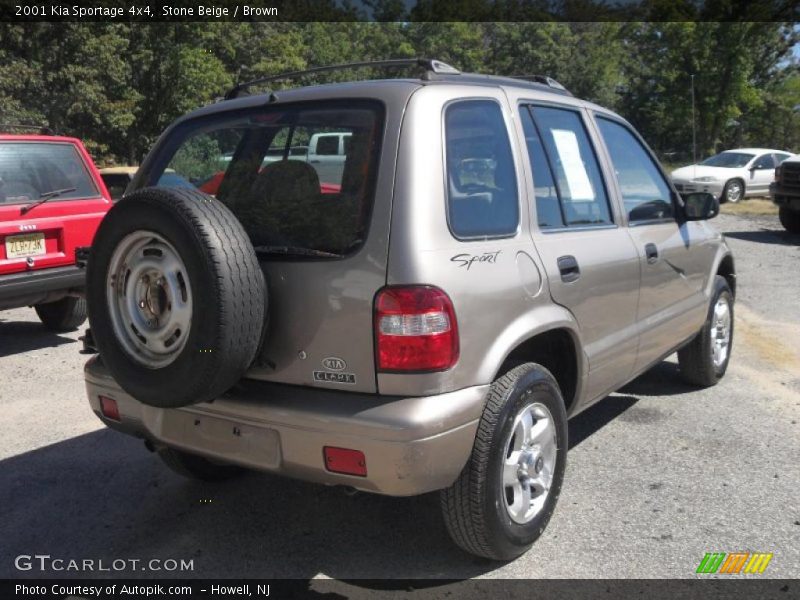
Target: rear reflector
x,y
343,460
109,408
415,330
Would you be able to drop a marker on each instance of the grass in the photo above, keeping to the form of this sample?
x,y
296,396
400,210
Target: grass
x,y
750,206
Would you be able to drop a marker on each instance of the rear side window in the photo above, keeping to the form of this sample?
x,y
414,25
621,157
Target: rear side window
x,y
259,166
29,170
482,197
765,161
568,186
645,193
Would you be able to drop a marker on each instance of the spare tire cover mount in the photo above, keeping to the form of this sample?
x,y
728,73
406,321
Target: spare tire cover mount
x,y
176,296
149,298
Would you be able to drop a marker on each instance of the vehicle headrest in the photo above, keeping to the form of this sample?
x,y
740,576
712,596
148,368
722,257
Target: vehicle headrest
x,y
287,178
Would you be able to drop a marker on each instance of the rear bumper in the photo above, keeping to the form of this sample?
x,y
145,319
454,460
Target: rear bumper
x,y
33,287
412,445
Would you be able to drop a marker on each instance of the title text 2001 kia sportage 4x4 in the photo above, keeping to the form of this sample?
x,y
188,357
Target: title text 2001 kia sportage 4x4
x,y
493,256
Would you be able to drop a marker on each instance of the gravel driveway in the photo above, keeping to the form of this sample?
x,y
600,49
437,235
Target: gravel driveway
x,y
658,474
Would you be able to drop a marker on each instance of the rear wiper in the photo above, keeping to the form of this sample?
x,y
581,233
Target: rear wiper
x,y
294,250
44,197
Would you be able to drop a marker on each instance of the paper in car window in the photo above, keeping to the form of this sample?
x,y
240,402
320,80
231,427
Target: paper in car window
x,y
580,188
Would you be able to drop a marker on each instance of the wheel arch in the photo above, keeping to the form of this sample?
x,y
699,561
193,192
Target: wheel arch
x,y
558,350
726,269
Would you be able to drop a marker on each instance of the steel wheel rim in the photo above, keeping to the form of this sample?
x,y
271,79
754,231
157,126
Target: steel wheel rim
x,y
529,463
720,332
149,299
734,192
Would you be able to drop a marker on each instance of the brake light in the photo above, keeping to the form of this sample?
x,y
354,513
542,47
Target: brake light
x,y
415,329
109,408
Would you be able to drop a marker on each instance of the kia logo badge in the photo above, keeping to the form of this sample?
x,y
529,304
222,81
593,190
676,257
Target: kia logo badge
x,y
333,363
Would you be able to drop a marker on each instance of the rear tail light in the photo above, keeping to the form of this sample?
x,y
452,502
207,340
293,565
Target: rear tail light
x,y
109,408
344,460
415,330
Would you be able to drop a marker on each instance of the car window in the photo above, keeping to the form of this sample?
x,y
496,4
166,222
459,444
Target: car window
x,y
548,207
575,174
258,165
30,169
730,160
328,145
116,184
482,198
781,156
645,192
765,161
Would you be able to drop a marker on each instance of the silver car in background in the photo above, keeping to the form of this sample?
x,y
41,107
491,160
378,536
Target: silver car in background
x,y
731,175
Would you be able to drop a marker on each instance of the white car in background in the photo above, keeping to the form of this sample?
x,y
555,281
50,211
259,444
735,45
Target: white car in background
x,y
731,175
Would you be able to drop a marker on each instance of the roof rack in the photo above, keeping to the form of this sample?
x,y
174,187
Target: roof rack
x,y
42,129
543,79
431,66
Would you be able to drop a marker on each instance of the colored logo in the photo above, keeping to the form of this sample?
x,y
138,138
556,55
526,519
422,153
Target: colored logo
x,y
734,563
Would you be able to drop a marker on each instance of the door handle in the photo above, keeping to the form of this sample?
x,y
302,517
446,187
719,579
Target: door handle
x,y
651,252
569,269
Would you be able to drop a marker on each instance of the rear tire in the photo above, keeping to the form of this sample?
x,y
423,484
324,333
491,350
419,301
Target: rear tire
x,y
790,219
701,362
63,315
177,298
487,511
193,466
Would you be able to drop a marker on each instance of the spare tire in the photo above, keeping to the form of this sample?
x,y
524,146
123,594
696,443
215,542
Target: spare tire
x,y
176,297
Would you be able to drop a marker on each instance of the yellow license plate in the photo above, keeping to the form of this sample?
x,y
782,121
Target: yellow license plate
x,y
29,244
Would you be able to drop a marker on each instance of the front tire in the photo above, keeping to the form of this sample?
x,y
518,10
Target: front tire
x,y
63,315
790,219
507,492
704,360
733,191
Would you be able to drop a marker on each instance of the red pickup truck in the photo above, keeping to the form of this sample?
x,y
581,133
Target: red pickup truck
x,y
51,201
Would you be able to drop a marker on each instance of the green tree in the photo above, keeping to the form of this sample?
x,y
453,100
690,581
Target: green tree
x,y
732,64
174,70
70,76
584,57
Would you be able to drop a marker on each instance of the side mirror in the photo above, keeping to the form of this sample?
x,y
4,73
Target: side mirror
x,y
700,206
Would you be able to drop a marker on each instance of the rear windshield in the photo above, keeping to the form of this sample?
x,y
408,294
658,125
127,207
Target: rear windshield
x,y
29,170
289,200
116,184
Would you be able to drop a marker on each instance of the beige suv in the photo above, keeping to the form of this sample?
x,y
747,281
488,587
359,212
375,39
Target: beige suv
x,y
494,257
